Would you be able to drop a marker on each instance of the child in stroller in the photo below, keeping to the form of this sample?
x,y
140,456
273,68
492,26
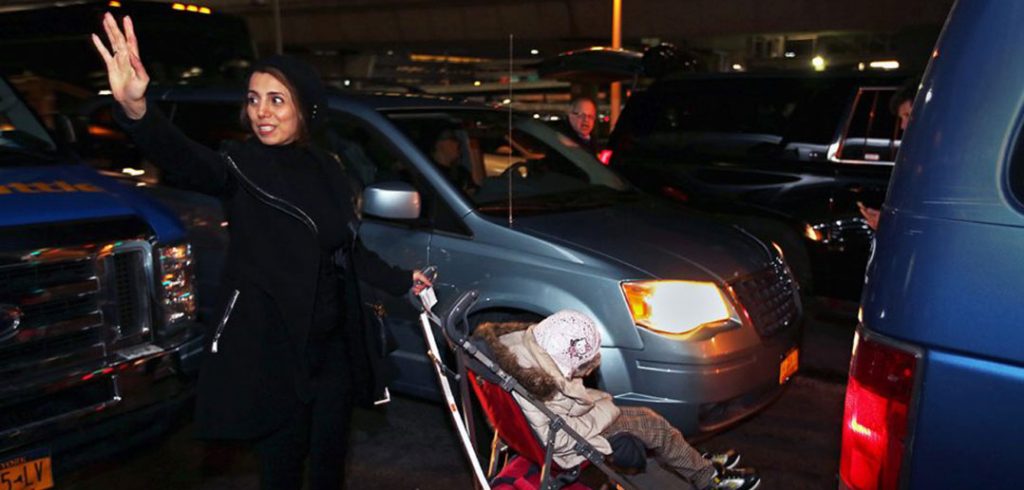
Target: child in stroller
x,y
551,358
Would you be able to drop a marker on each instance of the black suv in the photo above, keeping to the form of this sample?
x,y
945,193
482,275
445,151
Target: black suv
x,y
786,156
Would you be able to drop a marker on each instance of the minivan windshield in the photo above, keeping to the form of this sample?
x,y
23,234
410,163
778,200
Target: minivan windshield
x,y
21,133
539,168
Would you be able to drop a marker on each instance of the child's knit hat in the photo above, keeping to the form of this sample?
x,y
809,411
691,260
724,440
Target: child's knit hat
x,y
570,338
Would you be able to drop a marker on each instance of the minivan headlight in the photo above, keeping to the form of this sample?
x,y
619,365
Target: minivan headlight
x,y
677,307
177,280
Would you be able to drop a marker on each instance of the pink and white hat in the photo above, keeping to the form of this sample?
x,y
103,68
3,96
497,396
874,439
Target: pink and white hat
x,y
570,338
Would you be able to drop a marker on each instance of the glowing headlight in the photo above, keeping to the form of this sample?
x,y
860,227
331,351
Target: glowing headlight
x,y
176,281
812,233
676,307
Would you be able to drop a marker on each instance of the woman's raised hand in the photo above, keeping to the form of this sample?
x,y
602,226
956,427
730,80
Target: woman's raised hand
x,y
128,78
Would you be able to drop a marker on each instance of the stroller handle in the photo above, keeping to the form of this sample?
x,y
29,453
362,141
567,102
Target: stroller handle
x,y
458,310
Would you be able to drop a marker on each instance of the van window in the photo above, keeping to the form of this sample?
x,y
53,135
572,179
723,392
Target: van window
x,y
369,159
367,156
537,168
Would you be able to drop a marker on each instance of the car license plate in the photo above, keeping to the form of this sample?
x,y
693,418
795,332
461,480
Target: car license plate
x,y
788,367
27,472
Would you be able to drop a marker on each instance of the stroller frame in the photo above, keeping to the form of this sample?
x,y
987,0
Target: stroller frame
x,y
468,354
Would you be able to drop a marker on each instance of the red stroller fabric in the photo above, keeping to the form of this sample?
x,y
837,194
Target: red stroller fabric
x,y
522,474
512,427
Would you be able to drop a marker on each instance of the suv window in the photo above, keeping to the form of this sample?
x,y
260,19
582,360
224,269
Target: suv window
x,y
714,117
872,132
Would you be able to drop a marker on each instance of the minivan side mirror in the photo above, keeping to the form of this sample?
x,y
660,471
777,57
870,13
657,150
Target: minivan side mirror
x,y
391,200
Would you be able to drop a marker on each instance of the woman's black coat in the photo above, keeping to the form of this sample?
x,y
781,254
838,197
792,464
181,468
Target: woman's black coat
x,y
258,376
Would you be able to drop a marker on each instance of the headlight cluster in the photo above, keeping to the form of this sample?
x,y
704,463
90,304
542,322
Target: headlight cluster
x,y
838,231
177,284
677,307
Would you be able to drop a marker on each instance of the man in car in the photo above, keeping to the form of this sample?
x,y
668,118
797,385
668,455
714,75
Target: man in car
x,y
582,118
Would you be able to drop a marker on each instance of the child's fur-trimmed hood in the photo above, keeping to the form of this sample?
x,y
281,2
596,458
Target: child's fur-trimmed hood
x,y
538,382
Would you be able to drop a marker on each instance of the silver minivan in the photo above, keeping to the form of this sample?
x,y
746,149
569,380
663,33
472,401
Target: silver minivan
x,y
700,320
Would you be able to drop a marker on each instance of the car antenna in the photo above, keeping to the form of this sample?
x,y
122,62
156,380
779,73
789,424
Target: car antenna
x,y
511,38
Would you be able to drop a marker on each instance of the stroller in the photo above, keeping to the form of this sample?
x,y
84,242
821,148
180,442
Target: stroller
x,y
530,465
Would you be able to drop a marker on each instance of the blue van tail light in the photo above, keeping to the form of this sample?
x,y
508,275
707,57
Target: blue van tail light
x,y
875,422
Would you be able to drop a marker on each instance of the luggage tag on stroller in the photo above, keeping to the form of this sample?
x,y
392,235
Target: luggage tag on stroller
x,y
428,298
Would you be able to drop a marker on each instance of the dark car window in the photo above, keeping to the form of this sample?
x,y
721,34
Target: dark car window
x,y
19,128
872,131
718,117
818,120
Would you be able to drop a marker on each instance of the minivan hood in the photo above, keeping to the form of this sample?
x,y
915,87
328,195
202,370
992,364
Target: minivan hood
x,y
55,193
662,241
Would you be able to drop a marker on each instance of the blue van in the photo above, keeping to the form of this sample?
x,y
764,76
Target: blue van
x,y
936,382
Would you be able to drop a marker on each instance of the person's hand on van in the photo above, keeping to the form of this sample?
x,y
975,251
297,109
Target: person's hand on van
x,y
870,215
420,281
127,75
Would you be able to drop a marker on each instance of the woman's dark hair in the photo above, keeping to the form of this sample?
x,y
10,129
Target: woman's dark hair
x,y
304,136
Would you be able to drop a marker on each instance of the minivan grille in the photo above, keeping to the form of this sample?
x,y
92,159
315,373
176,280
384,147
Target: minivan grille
x,y
770,297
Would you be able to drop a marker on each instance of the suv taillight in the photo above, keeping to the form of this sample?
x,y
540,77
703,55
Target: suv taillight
x,y
875,423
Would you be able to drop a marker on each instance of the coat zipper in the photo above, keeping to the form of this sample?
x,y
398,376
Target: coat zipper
x,y
224,321
272,200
